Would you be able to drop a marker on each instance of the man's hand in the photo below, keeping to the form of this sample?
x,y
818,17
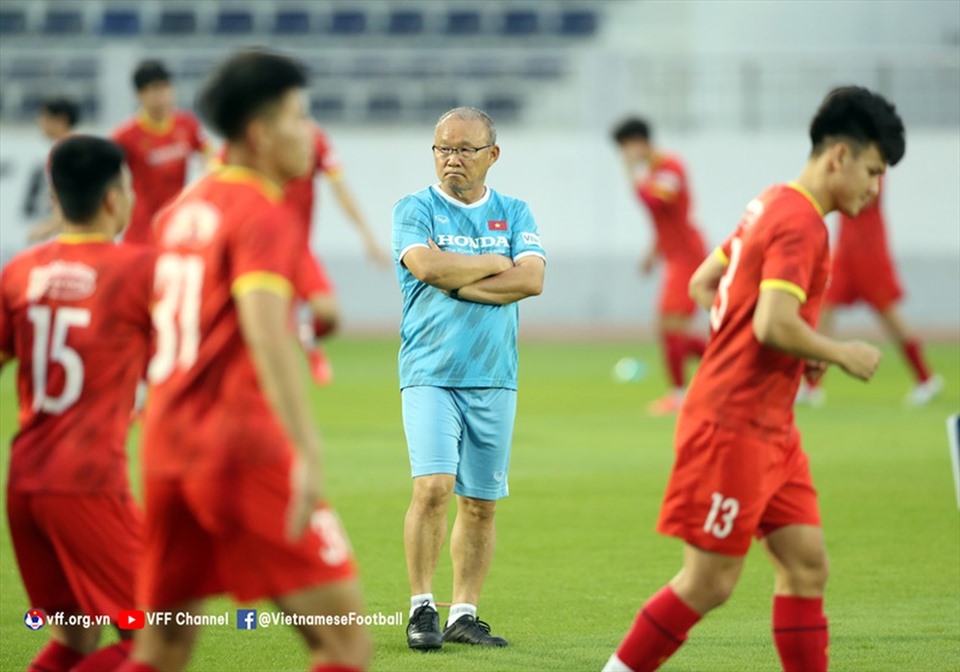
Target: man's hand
x,y
859,359
305,492
377,254
649,261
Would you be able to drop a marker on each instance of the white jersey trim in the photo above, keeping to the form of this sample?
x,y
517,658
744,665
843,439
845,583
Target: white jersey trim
x,y
409,247
467,206
530,253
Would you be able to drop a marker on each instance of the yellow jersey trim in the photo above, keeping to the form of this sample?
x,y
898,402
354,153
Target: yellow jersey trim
x,y
146,122
721,256
796,186
242,175
77,238
261,280
785,286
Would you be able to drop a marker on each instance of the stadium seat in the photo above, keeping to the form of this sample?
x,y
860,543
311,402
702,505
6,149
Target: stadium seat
x,y
384,107
89,108
326,108
480,68
405,23
75,69
234,22
120,23
30,103
580,23
433,106
291,22
502,107
13,22
26,69
348,22
196,68
370,67
177,22
520,23
462,23
62,22
542,68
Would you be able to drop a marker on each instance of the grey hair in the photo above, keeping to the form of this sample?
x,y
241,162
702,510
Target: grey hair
x,y
472,114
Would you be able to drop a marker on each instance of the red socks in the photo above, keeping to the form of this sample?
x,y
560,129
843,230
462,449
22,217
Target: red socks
x,y
332,667
107,658
800,633
133,666
677,347
913,353
55,657
658,631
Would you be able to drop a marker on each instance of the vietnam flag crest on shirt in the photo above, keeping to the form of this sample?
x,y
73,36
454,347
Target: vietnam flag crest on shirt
x,y
497,224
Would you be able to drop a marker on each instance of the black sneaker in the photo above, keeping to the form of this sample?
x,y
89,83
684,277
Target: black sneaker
x,y
423,630
469,630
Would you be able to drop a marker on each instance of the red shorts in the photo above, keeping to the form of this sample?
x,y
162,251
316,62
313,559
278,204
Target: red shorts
x,y
731,483
875,284
225,532
76,552
312,278
675,290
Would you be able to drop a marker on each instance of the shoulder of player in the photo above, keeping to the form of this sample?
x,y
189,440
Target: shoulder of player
x,y
185,118
422,200
509,203
125,130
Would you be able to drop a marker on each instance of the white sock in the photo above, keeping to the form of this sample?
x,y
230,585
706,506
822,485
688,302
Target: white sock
x,y
418,600
615,665
461,609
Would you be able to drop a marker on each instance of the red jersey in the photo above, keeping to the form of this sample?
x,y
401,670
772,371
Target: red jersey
x,y
299,193
157,155
75,313
781,243
666,193
862,240
228,234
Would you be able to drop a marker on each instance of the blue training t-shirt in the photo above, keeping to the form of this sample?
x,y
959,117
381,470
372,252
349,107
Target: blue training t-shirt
x,y
448,342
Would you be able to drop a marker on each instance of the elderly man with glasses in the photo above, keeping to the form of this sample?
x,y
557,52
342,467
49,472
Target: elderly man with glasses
x,y
465,256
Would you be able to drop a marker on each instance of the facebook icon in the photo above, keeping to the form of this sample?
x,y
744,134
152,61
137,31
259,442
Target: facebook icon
x,y
246,619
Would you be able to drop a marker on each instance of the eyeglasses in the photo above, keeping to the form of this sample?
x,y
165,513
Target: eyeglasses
x,y
463,152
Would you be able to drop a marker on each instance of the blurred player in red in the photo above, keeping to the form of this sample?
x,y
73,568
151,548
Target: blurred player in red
x,y
660,181
739,470
232,474
158,142
75,314
313,284
863,270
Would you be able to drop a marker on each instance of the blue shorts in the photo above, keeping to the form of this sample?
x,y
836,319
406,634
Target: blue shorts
x,y
461,431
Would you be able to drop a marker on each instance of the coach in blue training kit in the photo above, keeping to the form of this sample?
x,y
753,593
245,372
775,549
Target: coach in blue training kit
x,y
465,256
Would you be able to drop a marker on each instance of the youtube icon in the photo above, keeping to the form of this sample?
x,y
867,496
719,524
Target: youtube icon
x,y
130,619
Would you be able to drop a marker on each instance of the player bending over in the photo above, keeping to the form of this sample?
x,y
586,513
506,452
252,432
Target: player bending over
x,y
660,181
74,313
740,471
232,462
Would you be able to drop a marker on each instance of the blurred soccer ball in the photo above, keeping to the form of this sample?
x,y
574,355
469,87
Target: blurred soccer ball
x,y
629,370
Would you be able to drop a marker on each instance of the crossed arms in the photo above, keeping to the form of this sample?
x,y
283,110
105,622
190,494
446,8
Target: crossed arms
x,y
484,278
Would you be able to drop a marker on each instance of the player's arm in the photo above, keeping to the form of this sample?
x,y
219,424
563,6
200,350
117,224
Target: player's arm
x,y
523,280
661,188
449,270
349,206
705,280
777,324
264,311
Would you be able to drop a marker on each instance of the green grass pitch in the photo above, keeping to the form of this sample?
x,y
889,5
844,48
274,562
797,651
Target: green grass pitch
x,y
576,551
